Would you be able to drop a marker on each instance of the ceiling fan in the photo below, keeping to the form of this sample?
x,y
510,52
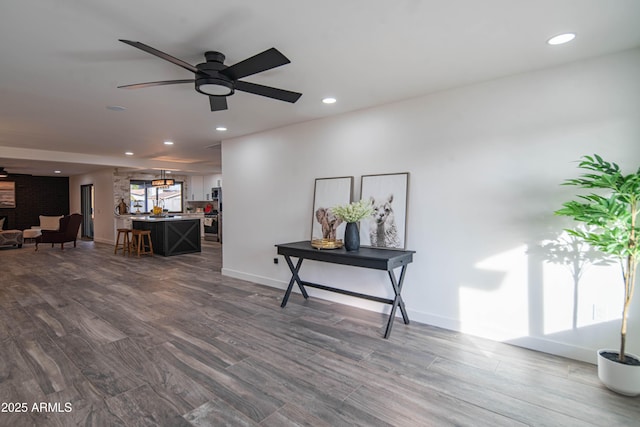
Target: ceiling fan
x,y
217,80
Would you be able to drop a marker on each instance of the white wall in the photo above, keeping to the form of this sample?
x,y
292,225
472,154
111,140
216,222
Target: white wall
x,y
104,207
485,165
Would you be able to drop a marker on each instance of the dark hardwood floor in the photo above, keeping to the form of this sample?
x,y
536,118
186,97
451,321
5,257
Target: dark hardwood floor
x,y
96,339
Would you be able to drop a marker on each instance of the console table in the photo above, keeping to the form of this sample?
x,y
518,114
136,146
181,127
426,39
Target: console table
x,y
378,259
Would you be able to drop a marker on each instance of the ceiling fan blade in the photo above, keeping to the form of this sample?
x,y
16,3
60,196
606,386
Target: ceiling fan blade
x,y
150,84
218,103
270,58
268,91
159,54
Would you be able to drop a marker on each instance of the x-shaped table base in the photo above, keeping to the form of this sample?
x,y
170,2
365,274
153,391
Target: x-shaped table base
x,y
384,260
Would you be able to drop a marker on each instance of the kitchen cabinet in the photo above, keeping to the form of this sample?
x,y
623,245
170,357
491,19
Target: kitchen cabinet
x,y
200,187
171,235
196,188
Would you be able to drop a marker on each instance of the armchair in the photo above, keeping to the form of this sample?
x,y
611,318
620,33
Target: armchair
x,y
67,232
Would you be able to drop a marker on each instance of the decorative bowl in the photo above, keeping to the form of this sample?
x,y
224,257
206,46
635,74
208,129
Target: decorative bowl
x,y
326,243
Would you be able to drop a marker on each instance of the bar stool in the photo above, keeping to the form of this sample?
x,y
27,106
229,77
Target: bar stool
x,y
126,243
139,244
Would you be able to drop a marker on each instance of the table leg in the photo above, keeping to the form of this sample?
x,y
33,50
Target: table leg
x,y
397,302
295,278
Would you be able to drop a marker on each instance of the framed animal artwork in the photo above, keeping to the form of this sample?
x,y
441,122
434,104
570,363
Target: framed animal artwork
x,y
329,192
388,195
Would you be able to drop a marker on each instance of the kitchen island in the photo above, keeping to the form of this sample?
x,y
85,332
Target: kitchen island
x,y
171,235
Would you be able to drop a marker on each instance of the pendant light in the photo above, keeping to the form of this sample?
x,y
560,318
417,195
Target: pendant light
x,y
163,182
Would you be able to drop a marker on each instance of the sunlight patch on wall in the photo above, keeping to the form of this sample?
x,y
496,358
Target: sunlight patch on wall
x,y
571,304
558,298
498,307
577,285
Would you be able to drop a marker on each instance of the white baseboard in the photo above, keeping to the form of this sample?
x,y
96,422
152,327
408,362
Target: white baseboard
x,y
105,241
254,278
559,349
541,344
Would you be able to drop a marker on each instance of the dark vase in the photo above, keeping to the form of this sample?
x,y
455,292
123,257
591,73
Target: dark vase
x,y
352,237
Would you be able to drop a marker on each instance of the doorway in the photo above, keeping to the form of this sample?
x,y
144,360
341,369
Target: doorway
x,y
86,202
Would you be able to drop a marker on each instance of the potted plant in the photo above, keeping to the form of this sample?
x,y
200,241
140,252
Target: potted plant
x,y
611,217
352,213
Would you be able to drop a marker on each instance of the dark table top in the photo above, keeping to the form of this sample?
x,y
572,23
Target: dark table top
x,y
379,259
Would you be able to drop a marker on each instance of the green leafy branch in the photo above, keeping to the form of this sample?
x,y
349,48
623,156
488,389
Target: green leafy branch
x,y
353,212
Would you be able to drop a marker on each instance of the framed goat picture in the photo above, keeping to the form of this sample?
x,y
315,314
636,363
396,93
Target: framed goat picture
x,y
329,192
387,194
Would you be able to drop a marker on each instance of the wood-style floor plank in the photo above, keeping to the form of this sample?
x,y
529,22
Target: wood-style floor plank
x,y
158,341
144,407
218,413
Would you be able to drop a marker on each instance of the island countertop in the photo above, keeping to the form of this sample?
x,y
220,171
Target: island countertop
x,y
151,218
125,221
183,215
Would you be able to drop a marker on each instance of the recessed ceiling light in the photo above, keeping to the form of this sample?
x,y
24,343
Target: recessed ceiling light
x,y
57,172
221,128
116,107
329,100
168,143
129,153
561,38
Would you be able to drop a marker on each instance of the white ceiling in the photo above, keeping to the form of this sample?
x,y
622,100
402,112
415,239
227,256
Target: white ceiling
x,y
61,63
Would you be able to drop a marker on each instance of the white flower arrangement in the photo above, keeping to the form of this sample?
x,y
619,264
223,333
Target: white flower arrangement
x,y
353,212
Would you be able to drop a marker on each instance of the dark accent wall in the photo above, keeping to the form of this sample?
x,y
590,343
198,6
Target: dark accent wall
x,y
35,196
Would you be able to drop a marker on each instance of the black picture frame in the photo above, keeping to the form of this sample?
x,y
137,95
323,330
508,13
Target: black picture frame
x,y
388,195
327,193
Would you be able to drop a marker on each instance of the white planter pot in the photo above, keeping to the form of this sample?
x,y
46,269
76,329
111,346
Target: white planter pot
x,y
621,378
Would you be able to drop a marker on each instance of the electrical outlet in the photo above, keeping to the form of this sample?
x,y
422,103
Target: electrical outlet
x,y
275,260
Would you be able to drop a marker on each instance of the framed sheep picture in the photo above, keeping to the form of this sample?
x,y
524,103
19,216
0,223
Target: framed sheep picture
x,y
387,194
329,192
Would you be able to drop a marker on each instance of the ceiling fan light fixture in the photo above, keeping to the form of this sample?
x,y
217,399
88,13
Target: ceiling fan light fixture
x,y
217,80
214,87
